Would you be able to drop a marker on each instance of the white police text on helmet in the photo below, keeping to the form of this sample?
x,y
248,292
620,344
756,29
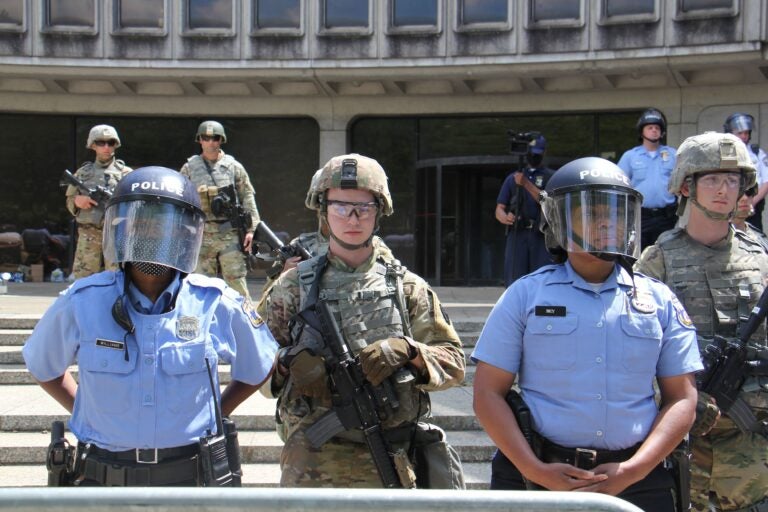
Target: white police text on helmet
x,y
172,186
605,173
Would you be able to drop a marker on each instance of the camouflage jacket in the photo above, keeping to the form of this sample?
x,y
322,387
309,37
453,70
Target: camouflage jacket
x,y
95,174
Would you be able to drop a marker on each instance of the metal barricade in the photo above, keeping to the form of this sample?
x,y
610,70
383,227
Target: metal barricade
x,y
298,500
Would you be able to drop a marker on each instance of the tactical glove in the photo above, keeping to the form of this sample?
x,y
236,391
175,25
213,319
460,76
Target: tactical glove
x,y
707,414
307,372
382,358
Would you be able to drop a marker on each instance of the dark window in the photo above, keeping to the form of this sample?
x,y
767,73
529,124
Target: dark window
x,y
697,5
346,13
74,13
141,14
628,7
414,12
278,14
548,10
210,14
484,11
12,12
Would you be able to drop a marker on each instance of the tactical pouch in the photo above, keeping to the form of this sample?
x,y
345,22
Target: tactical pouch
x,y
438,465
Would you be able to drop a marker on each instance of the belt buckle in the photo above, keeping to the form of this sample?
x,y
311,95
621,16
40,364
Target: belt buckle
x,y
141,460
585,458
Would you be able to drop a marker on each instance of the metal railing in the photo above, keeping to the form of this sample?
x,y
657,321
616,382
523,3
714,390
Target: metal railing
x,y
296,500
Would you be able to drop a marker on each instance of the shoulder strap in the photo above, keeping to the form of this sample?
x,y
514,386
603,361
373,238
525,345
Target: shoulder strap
x,y
394,277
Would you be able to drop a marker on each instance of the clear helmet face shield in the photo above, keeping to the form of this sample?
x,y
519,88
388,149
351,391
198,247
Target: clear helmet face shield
x,y
604,221
740,123
165,233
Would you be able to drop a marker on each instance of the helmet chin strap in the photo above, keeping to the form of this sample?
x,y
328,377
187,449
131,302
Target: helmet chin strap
x,y
654,141
713,215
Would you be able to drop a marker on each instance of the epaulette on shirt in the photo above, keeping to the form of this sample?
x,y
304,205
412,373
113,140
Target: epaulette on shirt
x,y
202,281
106,278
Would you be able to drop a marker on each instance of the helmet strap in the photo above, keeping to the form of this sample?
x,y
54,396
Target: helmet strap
x,y
709,213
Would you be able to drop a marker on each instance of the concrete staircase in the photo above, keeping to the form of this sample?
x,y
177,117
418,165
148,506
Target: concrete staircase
x,y
26,412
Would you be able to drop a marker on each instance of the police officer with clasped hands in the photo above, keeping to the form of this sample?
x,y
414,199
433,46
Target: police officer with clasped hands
x,y
148,340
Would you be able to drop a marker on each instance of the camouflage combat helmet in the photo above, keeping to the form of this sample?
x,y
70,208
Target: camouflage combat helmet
x,y
350,171
211,128
102,132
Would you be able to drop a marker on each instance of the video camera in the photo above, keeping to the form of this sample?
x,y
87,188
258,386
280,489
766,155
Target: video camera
x,y
519,143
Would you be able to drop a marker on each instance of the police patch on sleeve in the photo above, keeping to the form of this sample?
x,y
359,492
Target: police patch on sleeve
x,y
187,328
681,313
251,313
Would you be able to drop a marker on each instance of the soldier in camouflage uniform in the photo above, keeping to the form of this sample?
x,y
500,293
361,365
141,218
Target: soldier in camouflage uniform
x,y
389,317
104,171
744,211
210,171
719,274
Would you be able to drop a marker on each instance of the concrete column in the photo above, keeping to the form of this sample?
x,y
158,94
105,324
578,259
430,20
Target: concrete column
x,y
332,143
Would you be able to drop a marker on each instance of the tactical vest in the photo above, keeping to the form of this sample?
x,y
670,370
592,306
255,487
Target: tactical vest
x,y
368,307
209,178
95,175
723,286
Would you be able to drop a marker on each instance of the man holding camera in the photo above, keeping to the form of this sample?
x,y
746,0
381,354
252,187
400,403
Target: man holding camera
x,y
517,207
223,186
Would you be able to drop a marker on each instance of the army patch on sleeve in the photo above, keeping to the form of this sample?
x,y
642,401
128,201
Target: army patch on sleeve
x,y
187,328
681,313
251,313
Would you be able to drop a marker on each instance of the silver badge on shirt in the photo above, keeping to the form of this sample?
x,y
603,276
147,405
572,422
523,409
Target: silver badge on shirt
x,y
187,327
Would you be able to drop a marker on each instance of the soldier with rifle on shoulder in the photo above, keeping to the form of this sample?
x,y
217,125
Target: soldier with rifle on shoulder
x,y
228,200
363,342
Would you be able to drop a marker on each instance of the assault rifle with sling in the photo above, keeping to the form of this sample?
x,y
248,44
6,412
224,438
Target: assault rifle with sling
x,y
99,194
281,251
227,204
360,405
728,363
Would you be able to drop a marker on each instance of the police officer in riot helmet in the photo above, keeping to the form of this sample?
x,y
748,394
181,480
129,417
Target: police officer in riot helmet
x,y
586,338
517,207
143,337
742,125
649,166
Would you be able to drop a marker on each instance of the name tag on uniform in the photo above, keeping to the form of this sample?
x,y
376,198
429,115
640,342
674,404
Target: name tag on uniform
x,y
550,310
119,345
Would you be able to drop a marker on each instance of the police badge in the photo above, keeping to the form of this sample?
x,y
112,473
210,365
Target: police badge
x,y
187,328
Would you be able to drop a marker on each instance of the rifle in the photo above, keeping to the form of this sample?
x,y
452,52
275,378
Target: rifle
x,y
282,251
99,194
726,367
226,203
360,406
60,458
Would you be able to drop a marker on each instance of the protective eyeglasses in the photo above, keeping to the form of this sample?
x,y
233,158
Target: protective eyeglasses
x,y
208,138
731,180
102,143
345,209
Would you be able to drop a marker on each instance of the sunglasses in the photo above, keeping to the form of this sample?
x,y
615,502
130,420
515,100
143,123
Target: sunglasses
x,y
208,138
102,143
345,209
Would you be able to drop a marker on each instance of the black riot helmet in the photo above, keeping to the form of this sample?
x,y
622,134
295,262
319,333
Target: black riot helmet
x,y
590,206
739,122
154,216
651,116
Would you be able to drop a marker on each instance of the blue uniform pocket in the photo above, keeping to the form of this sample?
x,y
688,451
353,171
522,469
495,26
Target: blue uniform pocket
x,y
641,344
106,377
186,377
549,342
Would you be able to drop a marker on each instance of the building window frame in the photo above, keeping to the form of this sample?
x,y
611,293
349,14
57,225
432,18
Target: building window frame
x,y
47,28
324,31
119,30
276,31
490,26
531,24
17,28
698,14
393,29
624,19
187,31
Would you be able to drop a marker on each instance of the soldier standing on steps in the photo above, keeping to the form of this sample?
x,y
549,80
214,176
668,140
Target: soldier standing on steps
x,y
587,339
144,338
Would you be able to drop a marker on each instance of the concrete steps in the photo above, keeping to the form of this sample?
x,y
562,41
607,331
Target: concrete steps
x,y
26,412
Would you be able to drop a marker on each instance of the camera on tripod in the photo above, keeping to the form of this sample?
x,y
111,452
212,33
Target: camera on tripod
x,y
520,143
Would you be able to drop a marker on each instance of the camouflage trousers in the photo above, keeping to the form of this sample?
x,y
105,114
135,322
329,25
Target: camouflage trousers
x,y
221,250
89,258
730,464
337,463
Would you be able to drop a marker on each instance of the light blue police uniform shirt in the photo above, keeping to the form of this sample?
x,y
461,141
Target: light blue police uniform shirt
x,y
586,360
650,174
159,397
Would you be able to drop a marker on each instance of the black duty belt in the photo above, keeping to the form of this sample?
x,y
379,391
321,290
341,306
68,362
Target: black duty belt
x,y
588,457
135,468
526,224
144,455
667,211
